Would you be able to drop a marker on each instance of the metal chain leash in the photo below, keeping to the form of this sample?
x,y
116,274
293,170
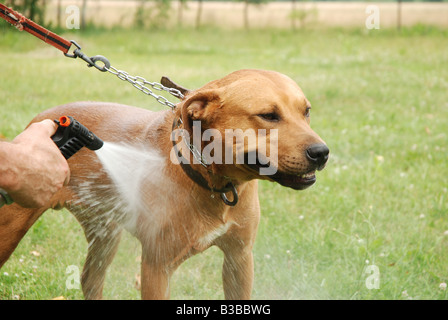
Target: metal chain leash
x,y
142,84
138,82
193,149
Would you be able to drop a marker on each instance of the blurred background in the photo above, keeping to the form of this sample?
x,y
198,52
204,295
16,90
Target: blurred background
x,y
234,14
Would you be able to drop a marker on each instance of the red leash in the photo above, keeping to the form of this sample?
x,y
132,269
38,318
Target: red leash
x,y
23,23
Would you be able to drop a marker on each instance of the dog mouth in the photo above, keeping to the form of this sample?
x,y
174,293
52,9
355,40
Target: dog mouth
x,y
295,181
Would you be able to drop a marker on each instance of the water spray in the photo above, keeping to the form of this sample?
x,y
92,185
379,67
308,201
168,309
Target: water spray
x,y
70,137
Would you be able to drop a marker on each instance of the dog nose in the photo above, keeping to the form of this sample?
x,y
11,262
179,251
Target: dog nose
x,y
318,154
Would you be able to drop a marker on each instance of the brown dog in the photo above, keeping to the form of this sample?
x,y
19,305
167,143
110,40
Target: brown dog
x,y
177,210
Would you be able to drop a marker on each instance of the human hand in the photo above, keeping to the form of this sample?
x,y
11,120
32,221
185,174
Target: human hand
x,y
38,167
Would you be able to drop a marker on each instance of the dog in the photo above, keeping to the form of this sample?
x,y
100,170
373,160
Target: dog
x,y
180,208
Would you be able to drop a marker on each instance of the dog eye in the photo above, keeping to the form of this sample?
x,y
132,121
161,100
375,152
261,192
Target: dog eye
x,y
307,112
272,116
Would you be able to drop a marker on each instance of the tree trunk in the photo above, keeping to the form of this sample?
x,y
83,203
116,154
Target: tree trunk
x,y
199,14
83,14
32,10
59,14
180,13
293,14
246,14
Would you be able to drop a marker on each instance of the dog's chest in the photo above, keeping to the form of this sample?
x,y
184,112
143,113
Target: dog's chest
x,y
207,239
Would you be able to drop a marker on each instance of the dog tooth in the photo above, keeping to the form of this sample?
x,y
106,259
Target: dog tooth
x,y
307,175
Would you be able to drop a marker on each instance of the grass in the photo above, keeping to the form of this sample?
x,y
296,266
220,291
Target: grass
x,y
379,101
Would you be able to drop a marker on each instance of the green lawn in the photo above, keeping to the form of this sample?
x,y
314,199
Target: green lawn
x,y
380,101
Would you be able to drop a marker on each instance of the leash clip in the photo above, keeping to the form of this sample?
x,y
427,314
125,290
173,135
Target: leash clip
x,y
74,55
91,61
94,59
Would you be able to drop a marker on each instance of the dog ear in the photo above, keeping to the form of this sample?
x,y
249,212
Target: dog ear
x,y
167,82
198,105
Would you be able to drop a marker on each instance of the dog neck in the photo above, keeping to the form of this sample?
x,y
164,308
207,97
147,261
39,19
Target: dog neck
x,y
201,173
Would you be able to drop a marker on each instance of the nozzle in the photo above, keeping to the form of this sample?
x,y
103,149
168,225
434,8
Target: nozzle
x,y
71,136
64,121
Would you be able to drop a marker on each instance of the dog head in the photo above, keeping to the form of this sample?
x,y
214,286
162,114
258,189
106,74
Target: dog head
x,y
262,119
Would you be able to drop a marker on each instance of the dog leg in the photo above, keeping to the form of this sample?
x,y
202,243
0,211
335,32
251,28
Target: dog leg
x,y
103,245
155,281
14,224
238,273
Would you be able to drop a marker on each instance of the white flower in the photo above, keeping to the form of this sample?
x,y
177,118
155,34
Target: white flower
x,y
406,295
380,158
442,286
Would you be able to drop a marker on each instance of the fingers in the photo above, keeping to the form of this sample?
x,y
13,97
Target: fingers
x,y
37,130
46,127
50,126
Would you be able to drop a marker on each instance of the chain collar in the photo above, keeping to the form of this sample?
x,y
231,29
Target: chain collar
x,y
195,175
197,154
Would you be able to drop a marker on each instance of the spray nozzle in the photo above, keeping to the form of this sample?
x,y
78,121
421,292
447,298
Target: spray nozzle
x,y
71,136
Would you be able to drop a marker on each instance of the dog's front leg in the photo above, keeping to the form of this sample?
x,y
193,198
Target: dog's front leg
x,y
237,272
154,281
